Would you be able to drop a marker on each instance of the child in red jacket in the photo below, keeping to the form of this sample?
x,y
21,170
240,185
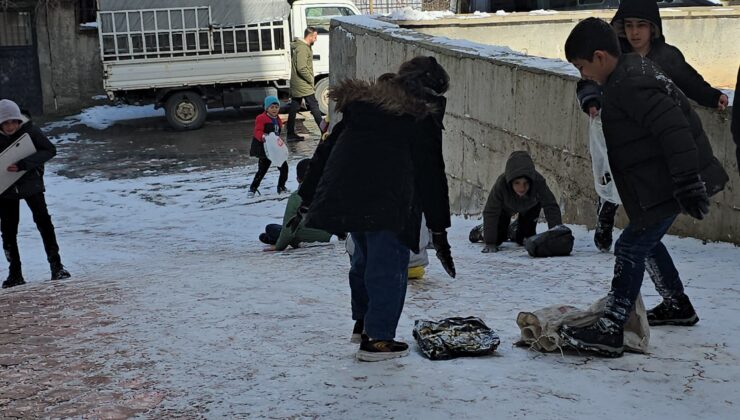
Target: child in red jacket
x,y
266,121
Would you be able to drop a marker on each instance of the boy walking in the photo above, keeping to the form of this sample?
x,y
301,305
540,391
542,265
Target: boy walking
x,y
29,187
662,165
265,123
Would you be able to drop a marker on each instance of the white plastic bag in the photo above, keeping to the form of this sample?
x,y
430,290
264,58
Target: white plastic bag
x,y
276,149
603,180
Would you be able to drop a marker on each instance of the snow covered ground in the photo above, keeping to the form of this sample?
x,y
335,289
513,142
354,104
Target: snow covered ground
x,y
227,330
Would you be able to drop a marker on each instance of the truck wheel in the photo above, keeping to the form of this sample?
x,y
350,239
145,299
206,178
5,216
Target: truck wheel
x,y
185,110
322,95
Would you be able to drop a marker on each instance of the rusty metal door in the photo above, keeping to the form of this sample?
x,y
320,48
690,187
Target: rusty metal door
x,y
19,65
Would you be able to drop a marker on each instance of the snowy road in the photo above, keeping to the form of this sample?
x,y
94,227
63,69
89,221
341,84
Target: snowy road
x,y
175,311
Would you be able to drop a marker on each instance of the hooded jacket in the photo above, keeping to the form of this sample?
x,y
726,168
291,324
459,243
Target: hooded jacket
x,y
32,182
653,137
301,74
382,165
668,57
735,127
504,202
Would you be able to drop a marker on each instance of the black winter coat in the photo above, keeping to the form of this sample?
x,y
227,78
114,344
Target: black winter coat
x,y
504,202
382,165
33,181
736,120
668,57
653,136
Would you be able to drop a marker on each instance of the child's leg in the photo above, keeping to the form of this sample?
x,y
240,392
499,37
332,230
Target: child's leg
x,y
9,218
262,167
295,105
634,246
386,276
283,176
358,262
503,227
527,224
273,233
37,204
663,273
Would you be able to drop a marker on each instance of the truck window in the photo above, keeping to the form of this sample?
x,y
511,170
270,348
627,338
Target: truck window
x,y
320,17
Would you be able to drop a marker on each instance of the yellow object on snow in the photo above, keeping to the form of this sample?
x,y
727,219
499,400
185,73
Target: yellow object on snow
x,y
416,272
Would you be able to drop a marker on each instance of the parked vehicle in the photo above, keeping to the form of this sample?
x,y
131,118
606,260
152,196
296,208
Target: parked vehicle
x,y
529,5
213,54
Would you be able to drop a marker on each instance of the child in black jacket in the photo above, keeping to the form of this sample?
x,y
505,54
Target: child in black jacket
x,y
640,30
29,187
662,164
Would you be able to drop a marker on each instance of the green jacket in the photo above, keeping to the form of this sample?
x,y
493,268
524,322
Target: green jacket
x,y
303,234
301,74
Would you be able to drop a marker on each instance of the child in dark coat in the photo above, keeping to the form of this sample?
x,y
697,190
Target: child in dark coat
x,y
662,164
374,176
29,187
640,30
519,190
270,121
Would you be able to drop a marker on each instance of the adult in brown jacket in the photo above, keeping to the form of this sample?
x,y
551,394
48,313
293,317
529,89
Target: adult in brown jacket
x,y
520,189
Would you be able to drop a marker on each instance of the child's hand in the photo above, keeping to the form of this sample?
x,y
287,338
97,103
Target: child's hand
x,y
270,248
13,168
723,102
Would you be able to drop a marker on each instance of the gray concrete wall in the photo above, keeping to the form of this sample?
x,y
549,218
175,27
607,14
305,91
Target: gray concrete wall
x,y
69,60
499,103
706,36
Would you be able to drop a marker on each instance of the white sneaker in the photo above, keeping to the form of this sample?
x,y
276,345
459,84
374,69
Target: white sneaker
x,y
251,194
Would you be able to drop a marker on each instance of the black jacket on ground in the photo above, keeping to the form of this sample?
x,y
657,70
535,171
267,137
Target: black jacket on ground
x,y
32,182
382,165
653,136
504,202
736,120
668,57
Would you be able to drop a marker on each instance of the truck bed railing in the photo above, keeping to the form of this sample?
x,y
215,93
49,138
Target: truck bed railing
x,y
181,32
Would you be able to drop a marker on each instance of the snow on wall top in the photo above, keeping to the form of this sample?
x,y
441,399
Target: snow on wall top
x,y
493,52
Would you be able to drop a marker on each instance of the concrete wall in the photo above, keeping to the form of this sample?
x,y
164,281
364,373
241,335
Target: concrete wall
x,y
707,36
499,103
69,60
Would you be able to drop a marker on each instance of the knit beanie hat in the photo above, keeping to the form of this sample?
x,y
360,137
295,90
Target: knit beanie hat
x,y
9,111
271,100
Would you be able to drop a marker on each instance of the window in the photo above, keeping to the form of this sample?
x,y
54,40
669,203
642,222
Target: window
x,y
15,29
86,13
320,17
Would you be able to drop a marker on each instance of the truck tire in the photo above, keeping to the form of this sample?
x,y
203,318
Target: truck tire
x,y
322,95
185,110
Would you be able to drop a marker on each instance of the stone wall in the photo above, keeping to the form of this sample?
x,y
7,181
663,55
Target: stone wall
x,y
500,102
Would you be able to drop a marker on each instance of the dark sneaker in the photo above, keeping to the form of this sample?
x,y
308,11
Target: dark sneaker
x,y
377,350
13,280
603,237
295,137
58,272
264,239
253,193
358,331
283,190
603,337
476,234
678,311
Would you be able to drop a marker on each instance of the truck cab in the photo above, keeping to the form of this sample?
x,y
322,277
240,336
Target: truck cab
x,y
318,14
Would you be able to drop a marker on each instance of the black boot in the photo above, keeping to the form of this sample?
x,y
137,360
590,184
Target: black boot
x,y
605,225
14,279
476,234
677,311
58,272
604,337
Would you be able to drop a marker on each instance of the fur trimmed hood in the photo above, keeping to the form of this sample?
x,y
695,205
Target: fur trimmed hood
x,y
389,96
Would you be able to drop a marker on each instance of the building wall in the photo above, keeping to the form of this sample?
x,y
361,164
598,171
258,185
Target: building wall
x,y
501,102
69,60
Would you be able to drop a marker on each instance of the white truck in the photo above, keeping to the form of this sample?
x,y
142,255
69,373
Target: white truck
x,y
189,55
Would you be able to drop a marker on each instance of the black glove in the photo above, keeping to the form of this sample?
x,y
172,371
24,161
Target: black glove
x,y
439,239
589,94
490,248
691,195
296,220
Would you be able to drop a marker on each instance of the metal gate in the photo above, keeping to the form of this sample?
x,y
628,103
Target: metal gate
x,y
19,66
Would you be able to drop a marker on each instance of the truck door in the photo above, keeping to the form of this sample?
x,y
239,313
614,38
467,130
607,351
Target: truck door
x,y
319,16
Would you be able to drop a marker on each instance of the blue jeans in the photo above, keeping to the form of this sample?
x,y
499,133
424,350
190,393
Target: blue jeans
x,y
378,279
637,250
